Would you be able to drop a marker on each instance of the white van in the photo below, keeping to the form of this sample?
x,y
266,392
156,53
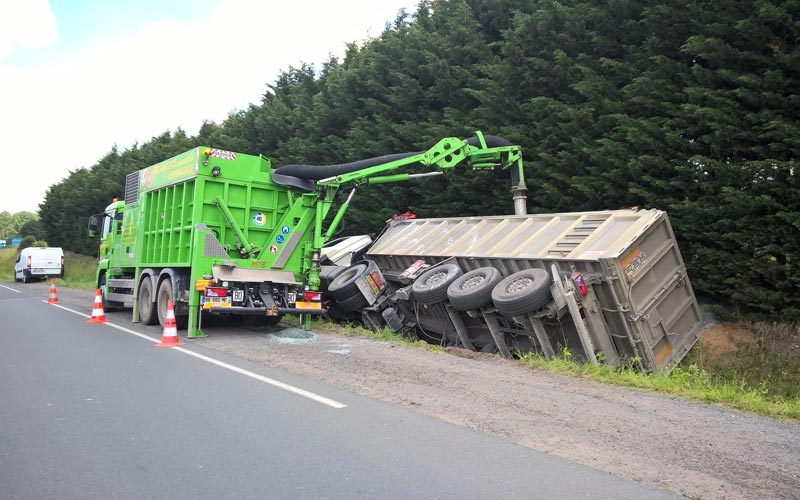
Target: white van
x,y
38,263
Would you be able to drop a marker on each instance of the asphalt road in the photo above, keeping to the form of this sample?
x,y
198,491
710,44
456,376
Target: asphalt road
x,y
96,412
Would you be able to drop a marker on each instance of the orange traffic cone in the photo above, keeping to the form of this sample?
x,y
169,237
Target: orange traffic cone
x,y
170,336
53,299
98,316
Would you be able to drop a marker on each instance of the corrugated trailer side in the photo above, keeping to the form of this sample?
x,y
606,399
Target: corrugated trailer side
x,y
639,303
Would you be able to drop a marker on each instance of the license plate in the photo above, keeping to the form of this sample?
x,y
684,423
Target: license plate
x,y
207,302
37,271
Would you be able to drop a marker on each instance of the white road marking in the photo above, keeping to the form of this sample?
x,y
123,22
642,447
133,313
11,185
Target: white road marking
x,y
247,373
9,288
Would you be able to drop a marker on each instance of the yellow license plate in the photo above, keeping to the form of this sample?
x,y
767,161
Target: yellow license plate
x,y
309,305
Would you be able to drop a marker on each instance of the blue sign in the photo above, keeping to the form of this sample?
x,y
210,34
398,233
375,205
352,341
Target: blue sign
x,y
280,239
16,241
285,230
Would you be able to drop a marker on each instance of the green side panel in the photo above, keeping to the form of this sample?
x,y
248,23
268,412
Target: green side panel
x,y
171,206
166,226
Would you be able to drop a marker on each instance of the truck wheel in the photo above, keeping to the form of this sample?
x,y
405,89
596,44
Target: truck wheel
x,y
328,273
351,304
522,292
164,295
108,305
473,290
147,307
344,286
431,286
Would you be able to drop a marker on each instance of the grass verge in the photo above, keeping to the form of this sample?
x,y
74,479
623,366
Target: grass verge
x,y
688,381
385,334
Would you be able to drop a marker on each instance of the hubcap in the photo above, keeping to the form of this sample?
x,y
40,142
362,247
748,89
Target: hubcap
x,y
519,284
436,278
472,282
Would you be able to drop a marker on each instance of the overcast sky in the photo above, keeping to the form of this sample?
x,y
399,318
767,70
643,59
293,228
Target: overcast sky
x,y
78,76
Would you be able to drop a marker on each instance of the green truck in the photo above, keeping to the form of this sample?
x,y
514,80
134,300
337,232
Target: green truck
x,y
224,233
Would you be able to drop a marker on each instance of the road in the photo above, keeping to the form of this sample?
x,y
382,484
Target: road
x,y
96,412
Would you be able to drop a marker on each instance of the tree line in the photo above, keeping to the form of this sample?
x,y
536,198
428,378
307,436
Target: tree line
x,y
689,107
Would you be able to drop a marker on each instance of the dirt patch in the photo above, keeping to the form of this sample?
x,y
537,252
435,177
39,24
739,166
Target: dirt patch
x,y
722,340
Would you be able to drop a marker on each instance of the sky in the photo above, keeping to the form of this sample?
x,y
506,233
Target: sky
x,y
80,76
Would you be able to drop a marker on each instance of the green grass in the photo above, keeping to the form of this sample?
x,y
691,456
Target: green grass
x,y
384,334
687,380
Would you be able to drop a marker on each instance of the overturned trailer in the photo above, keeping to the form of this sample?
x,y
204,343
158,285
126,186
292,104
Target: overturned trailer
x,y
607,286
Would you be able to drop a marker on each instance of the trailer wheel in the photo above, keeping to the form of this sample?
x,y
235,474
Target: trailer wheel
x,y
522,292
165,294
344,286
147,307
431,286
473,290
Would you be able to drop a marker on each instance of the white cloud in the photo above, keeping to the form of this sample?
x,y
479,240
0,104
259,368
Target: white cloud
x,y
168,74
26,24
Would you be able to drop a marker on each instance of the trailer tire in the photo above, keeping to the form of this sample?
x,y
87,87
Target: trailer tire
x,y
351,304
431,286
522,292
165,294
473,290
343,286
147,306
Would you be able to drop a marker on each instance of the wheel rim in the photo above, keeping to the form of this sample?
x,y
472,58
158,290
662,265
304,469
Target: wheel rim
x,y
473,282
519,284
436,278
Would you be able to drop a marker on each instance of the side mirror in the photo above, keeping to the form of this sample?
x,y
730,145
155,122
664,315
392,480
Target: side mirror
x,y
93,226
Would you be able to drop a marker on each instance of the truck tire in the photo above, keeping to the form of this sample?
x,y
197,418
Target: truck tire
x,y
344,285
522,292
147,307
328,273
431,286
108,305
351,304
473,290
165,294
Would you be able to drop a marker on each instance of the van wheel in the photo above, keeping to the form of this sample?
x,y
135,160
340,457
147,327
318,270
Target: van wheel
x,y
24,277
147,307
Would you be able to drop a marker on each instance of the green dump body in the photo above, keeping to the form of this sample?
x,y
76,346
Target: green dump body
x,y
176,195
207,218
